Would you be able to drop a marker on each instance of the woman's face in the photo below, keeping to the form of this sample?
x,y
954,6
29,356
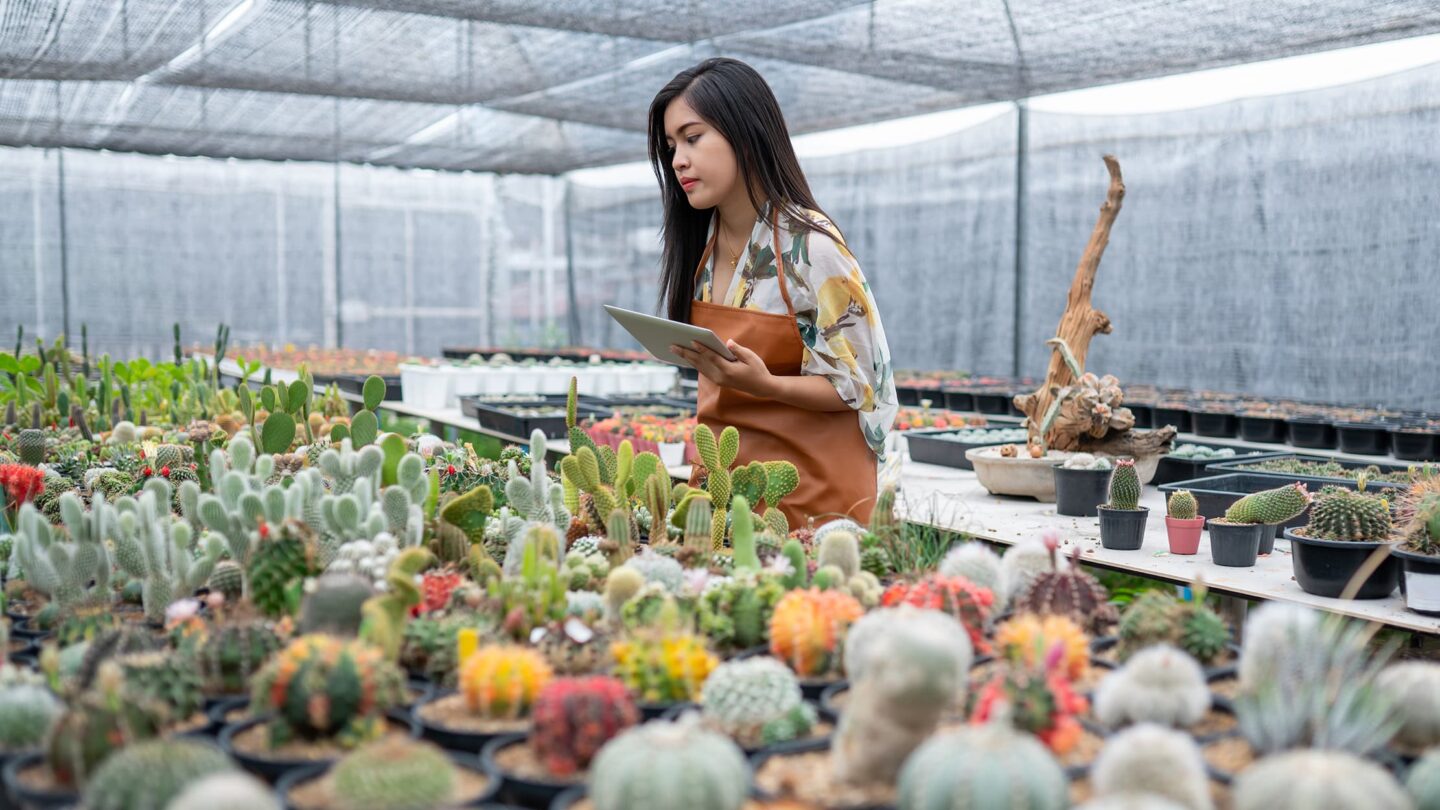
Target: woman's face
x,y
703,161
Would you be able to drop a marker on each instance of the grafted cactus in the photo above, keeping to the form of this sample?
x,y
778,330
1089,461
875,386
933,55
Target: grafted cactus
x,y
153,546
73,571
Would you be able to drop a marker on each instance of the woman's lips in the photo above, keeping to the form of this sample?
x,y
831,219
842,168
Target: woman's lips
x,y
688,184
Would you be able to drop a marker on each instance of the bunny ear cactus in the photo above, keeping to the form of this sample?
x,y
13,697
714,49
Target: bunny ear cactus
x,y
577,435
717,456
72,571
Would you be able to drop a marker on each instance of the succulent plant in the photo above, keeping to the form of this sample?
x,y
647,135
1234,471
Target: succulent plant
x,y
227,790
1414,686
976,562
757,702
1182,505
1159,617
621,585
1124,486
908,666
321,687
575,717
279,562
153,546
394,774
841,549
958,597
26,714
1423,781
1318,780
166,678
660,569
660,665
1029,640
1272,632
1159,684
95,724
334,604
502,681
670,764
1068,591
229,655
734,613
228,578
73,566
30,444
1042,702
149,774
1156,761
807,630
1337,513
984,766
123,640
1271,506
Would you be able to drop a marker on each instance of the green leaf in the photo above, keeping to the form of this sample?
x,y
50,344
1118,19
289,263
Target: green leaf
x,y
278,433
364,427
29,364
374,392
299,396
8,363
267,399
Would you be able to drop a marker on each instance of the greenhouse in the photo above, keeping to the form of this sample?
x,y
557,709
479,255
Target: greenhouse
x,y
885,404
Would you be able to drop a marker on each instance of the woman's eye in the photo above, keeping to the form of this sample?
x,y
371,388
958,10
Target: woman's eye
x,y
692,139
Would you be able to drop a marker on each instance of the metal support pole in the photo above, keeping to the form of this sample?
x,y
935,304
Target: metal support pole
x,y
1022,148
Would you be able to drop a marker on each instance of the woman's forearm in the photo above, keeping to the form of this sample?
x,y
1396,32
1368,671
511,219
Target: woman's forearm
x,y
810,392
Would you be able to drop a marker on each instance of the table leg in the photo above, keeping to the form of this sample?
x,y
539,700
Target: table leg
x,y
1232,609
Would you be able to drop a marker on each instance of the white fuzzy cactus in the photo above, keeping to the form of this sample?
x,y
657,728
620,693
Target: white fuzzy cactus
x,y
1026,560
1272,631
1415,686
1150,759
1160,684
977,563
1318,780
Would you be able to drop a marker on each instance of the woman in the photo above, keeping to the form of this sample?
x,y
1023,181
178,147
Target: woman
x,y
811,382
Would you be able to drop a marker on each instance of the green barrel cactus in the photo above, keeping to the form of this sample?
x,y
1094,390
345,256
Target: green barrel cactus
x,y
735,613
1182,505
26,714
394,774
31,446
230,655
1346,514
1124,486
278,563
670,764
147,775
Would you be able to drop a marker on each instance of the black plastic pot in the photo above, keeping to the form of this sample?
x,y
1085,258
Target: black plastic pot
x,y
1325,567
1364,438
811,688
1415,444
1171,415
1264,429
1419,580
1215,494
568,799
28,798
1234,544
25,628
272,769
1171,468
655,711
1122,529
827,711
449,738
992,402
1310,432
300,776
1217,425
1144,414
1078,493
517,789
1268,532
958,400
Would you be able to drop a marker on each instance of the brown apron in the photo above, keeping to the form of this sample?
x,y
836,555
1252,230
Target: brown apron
x,y
836,465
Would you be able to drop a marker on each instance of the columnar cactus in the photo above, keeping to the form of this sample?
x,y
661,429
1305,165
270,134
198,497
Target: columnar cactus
x,y
1124,486
911,668
394,774
31,446
575,717
621,585
230,655
670,764
1182,505
807,630
842,550
502,682
976,562
1271,506
757,702
1159,685
320,687
149,774
1339,513
1156,761
991,765
661,666
1415,686
1318,780
958,597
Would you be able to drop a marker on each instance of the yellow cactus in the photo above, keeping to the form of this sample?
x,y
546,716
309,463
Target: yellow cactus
x,y
1029,639
663,667
808,628
501,681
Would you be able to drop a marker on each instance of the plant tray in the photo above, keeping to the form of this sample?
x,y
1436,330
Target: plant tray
x,y
355,384
1185,469
927,448
1215,494
500,418
1234,465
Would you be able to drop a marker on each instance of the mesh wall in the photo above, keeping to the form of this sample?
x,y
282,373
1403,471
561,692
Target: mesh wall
x,y
545,86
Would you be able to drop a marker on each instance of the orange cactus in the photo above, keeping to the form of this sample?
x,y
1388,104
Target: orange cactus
x,y
808,629
501,681
1027,640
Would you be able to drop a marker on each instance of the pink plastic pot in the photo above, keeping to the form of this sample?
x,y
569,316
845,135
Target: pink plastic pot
x,y
1184,534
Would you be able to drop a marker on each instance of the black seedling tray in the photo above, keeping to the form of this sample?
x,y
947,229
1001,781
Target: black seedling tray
x,y
1179,417
926,448
497,417
1364,438
355,384
1216,425
1144,414
1263,429
1314,482
1184,469
959,401
1415,443
991,402
1311,433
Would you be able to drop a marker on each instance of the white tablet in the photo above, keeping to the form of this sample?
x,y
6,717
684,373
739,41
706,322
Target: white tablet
x,y
657,335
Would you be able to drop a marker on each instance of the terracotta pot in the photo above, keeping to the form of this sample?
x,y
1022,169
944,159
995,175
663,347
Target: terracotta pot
x,y
1184,534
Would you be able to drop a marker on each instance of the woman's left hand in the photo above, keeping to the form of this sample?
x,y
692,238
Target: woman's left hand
x,y
746,373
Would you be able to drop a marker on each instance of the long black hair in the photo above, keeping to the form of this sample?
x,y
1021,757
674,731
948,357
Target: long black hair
x,y
734,99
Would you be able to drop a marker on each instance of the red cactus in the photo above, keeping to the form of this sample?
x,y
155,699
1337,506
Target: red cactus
x,y
1042,703
967,602
574,717
437,587
21,483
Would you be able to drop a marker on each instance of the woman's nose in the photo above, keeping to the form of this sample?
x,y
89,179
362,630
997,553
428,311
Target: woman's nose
x,y
679,161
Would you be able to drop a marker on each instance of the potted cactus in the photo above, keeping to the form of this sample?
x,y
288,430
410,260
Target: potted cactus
x,y
1417,528
1235,538
1183,523
499,684
691,766
1347,529
1122,518
1080,485
392,773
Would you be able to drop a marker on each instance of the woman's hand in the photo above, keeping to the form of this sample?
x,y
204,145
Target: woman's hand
x,y
746,373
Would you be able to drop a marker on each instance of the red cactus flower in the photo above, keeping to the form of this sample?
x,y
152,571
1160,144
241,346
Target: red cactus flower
x,y
165,471
147,472
264,530
450,469
21,483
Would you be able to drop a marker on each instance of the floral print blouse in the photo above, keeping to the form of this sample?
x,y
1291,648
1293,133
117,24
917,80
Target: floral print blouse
x,y
839,323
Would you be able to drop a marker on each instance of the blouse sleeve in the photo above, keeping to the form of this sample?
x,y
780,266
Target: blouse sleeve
x,y
844,340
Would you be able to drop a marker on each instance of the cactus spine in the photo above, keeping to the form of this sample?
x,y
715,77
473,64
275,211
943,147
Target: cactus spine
x,y
1182,505
1124,486
1271,506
